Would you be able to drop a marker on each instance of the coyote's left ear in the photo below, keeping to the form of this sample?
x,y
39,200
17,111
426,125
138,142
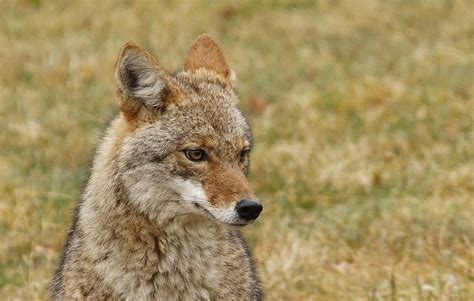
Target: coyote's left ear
x,y
205,53
143,83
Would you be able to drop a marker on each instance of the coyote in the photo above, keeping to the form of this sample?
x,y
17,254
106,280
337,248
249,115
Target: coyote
x,y
159,216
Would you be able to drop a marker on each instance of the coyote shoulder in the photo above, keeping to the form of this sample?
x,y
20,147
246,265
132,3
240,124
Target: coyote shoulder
x,y
159,216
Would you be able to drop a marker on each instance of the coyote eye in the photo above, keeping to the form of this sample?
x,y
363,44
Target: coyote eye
x,y
244,154
195,155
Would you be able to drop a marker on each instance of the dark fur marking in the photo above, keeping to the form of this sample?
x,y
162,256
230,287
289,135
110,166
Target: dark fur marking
x,y
56,286
130,78
257,289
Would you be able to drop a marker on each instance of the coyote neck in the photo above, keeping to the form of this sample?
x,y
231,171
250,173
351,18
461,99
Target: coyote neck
x,y
134,254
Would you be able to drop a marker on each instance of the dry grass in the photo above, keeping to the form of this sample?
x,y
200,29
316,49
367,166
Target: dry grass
x,y
363,117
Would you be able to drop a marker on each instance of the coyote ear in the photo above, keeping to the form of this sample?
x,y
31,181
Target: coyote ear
x,y
142,82
205,53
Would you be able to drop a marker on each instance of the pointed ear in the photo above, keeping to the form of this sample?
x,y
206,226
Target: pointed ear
x,y
205,53
142,82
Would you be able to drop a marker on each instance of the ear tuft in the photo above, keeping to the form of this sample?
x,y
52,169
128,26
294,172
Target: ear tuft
x,y
205,53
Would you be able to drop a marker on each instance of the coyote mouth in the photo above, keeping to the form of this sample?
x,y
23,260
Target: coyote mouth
x,y
204,209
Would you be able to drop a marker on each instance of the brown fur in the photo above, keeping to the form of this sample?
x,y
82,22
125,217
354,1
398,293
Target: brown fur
x,y
206,54
224,184
151,224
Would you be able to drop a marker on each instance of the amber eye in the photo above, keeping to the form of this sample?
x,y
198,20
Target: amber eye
x,y
244,154
195,155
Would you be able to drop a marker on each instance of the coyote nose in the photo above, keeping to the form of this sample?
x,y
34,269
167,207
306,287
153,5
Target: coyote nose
x,y
248,209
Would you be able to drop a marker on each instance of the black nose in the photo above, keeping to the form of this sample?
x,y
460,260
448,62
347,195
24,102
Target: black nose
x,y
248,209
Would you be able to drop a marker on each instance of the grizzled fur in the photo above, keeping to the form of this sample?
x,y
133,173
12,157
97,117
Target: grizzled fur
x,y
151,223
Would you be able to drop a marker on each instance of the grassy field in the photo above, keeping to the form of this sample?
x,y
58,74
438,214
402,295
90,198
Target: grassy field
x,y
363,113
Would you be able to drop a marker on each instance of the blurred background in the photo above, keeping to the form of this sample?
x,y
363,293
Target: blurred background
x,y
363,120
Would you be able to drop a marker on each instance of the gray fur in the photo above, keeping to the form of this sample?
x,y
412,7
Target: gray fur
x,y
141,230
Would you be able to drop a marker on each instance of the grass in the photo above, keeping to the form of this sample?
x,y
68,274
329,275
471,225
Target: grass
x,y
363,120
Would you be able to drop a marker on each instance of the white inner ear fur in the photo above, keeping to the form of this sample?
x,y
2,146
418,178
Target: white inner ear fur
x,y
149,88
193,192
142,80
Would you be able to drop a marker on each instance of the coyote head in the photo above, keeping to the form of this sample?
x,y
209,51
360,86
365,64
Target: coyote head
x,y
185,150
